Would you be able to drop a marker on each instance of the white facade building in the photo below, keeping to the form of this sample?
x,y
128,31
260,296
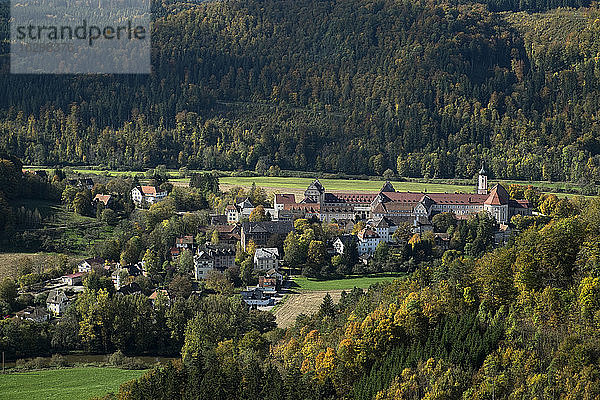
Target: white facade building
x,y
147,194
266,258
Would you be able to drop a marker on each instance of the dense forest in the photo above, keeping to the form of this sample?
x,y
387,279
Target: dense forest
x,y
426,89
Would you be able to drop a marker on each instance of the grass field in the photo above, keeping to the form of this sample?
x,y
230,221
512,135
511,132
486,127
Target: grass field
x,y
363,282
339,184
294,184
64,384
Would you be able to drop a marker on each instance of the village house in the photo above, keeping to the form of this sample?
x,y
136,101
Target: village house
x,y
274,273
81,183
385,228
159,293
72,279
106,200
57,302
280,200
261,232
90,263
368,240
147,195
342,241
240,211
175,252
131,288
244,206
35,314
258,297
228,234
184,242
266,258
203,264
210,258
232,213
218,219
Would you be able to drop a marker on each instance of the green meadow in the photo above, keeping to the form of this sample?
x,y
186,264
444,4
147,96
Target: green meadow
x,y
339,184
362,282
64,384
276,183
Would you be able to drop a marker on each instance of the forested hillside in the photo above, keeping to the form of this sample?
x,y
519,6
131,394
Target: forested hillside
x,y
357,86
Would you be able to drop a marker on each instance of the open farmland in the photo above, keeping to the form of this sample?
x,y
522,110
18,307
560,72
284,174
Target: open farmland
x,y
309,294
283,183
302,303
64,384
297,185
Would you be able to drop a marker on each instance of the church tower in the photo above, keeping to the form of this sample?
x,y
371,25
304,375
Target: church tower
x,y
482,184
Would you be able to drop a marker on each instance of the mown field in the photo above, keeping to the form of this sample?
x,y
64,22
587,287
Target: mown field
x,y
301,303
308,294
63,384
309,284
297,185
339,184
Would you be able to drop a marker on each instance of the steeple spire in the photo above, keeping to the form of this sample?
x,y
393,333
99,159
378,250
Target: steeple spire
x,y
482,184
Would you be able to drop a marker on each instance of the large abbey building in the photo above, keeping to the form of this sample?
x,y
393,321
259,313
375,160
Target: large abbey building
x,y
417,208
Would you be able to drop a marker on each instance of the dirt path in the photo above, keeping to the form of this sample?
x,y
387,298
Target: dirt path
x,y
302,303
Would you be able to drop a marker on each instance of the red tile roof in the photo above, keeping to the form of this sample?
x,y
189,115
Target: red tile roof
x,y
150,190
457,198
104,198
75,275
302,206
285,199
498,196
188,239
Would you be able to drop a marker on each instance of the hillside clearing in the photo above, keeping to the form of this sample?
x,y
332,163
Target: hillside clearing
x,y
302,303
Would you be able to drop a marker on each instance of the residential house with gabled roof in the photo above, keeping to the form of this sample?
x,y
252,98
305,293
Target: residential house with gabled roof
x,y
245,207
232,213
340,243
213,257
36,314
280,200
57,302
129,289
82,183
274,273
385,228
184,242
266,258
258,296
368,240
261,232
73,279
90,263
218,219
104,199
147,194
